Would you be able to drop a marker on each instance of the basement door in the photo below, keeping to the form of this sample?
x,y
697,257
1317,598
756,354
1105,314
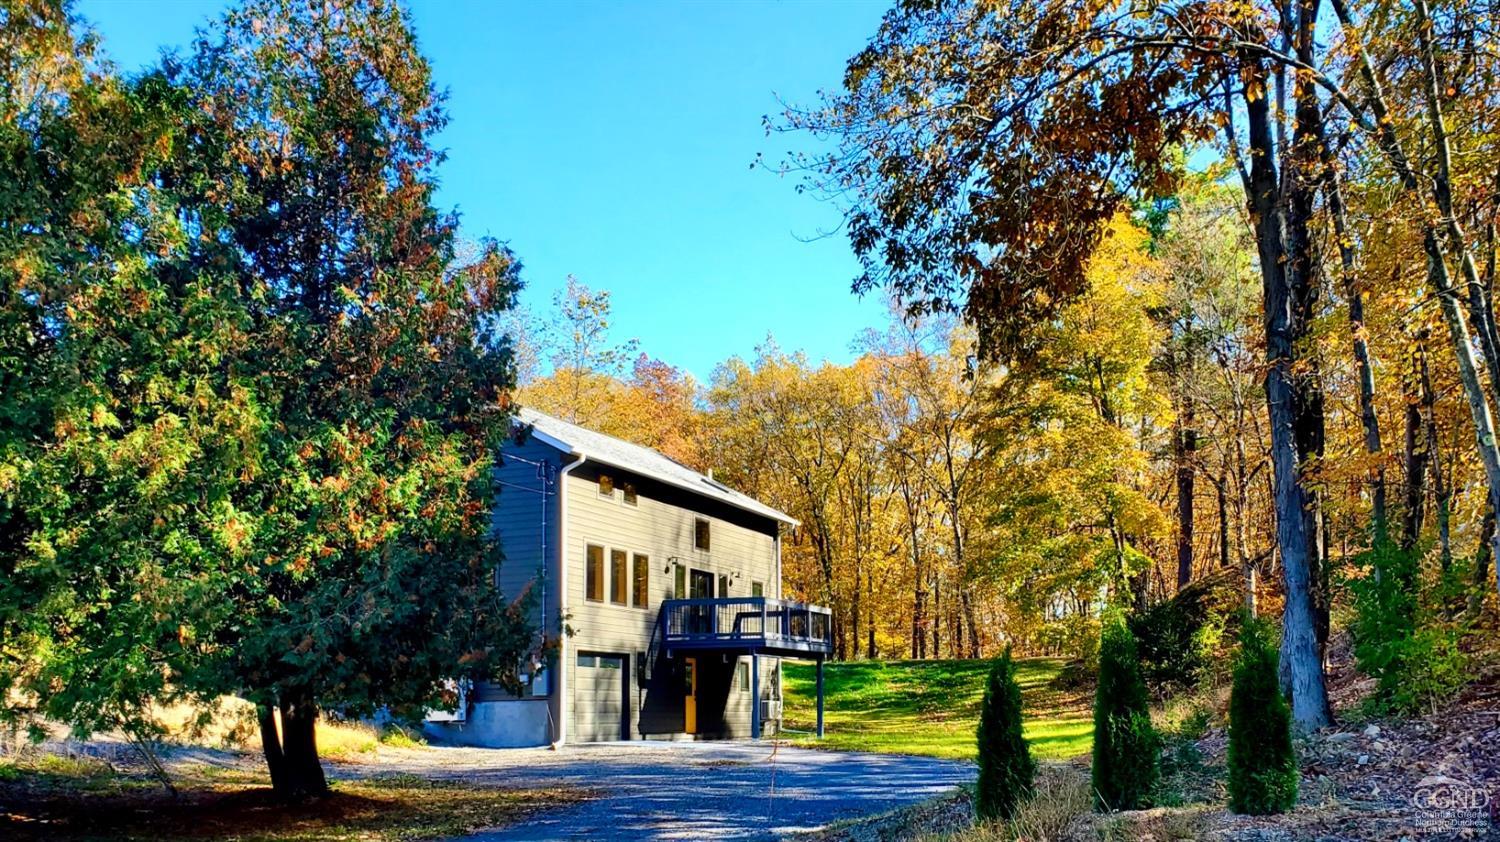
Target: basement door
x,y
600,711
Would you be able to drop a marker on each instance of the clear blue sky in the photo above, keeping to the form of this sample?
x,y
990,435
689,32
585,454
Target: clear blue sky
x,y
614,141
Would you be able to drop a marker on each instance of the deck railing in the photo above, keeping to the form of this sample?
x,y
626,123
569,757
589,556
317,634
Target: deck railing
x,y
747,621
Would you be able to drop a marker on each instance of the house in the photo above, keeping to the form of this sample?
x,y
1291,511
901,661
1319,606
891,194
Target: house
x,y
658,587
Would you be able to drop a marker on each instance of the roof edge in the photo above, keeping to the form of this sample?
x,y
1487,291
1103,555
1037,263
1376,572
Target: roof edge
x,y
770,513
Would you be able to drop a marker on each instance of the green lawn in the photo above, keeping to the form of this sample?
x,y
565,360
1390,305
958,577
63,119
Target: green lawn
x,y
932,707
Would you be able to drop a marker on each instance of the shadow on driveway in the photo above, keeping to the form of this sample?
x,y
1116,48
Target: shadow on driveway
x,y
703,790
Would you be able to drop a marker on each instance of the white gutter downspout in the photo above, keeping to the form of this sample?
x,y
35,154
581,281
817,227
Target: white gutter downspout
x,y
562,599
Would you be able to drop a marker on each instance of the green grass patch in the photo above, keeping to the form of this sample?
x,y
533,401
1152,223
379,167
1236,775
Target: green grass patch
x,y
932,707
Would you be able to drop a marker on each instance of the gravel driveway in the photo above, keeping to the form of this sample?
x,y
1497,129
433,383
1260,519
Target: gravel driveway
x,y
702,790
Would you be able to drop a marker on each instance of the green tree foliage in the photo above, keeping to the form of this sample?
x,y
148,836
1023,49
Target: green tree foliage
x,y
1263,772
1006,770
1178,638
1410,649
1127,752
251,397
123,428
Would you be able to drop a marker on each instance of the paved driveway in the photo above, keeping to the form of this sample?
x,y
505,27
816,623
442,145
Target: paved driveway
x,y
704,790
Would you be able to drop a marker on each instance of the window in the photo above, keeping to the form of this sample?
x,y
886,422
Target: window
x,y
700,534
588,661
606,485
594,574
641,581
757,589
617,577
723,584
630,497
742,676
611,662
679,583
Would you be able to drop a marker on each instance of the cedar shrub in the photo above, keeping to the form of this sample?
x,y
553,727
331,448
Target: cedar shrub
x,y
1127,751
1006,770
1263,773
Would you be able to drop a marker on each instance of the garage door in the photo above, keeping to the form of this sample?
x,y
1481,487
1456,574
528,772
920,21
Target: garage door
x,y
599,698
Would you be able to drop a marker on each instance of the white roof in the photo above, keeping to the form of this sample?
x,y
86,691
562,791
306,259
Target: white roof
x,y
598,447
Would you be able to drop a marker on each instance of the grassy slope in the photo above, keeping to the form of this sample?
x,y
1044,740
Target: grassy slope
x,y
932,707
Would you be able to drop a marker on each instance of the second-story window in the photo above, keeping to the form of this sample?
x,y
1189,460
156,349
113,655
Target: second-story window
x,y
757,589
700,534
606,485
617,577
629,493
593,585
641,581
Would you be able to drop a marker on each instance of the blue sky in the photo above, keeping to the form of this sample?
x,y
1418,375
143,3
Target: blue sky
x,y
613,141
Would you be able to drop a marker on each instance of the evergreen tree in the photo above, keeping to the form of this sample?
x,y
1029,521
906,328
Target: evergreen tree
x,y
1127,758
368,528
1006,770
1263,773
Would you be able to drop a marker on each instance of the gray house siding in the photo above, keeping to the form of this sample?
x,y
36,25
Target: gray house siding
x,y
526,521
612,689
741,546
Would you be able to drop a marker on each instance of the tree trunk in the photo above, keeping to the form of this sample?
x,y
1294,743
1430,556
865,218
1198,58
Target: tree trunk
x,y
1482,558
854,609
1222,496
1310,708
292,755
937,615
1442,494
1368,418
270,744
1298,182
919,580
1186,444
968,607
1418,453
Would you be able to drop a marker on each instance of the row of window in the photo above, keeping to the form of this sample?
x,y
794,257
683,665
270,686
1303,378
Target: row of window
x,y
701,528
637,588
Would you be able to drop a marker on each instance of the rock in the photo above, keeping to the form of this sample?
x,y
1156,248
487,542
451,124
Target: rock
x,y
1372,731
1340,737
1363,759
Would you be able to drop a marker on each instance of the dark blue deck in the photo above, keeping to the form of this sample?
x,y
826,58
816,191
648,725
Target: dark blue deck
x,y
749,625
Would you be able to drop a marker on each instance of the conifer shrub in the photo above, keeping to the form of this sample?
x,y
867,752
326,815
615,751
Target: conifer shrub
x,y
1007,773
1263,772
1127,751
